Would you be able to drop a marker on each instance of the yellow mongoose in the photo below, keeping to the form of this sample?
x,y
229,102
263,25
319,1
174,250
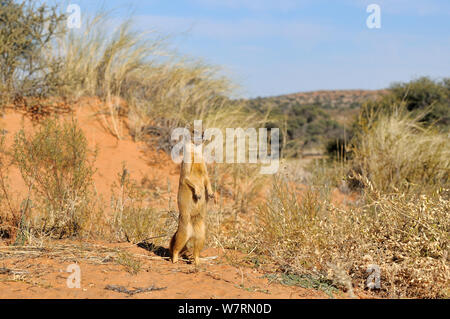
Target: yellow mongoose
x,y
193,193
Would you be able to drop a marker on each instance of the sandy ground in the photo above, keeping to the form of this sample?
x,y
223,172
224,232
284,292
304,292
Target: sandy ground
x,y
46,277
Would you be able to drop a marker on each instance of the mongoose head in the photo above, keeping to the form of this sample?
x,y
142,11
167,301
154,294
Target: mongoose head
x,y
196,136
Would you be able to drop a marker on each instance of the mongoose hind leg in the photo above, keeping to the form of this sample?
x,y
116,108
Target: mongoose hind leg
x,y
199,240
179,241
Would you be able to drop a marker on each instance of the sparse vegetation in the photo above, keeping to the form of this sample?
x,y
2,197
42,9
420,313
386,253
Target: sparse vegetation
x,y
56,166
407,237
133,218
132,264
302,127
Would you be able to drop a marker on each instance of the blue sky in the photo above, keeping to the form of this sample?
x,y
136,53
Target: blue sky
x,y
285,46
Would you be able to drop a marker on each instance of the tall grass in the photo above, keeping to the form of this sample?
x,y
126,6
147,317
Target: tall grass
x,y
174,95
397,154
160,89
99,62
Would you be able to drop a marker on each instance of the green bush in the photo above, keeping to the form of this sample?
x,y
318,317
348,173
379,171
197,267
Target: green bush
x,y
423,93
425,98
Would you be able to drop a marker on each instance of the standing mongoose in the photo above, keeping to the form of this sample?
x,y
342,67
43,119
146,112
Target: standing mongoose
x,y
193,193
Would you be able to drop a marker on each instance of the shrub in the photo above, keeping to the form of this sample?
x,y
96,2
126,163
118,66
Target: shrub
x,y
424,93
402,226
338,148
302,126
55,164
422,96
26,34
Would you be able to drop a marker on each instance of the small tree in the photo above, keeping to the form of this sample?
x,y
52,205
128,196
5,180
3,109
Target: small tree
x,y
26,33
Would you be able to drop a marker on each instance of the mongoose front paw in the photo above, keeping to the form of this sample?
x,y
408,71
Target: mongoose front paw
x,y
197,195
